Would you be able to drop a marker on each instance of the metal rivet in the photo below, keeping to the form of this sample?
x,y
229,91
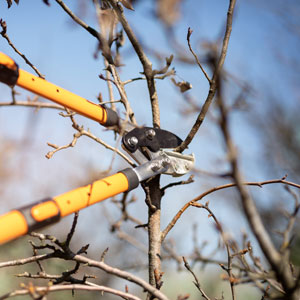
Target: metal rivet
x,y
132,141
155,166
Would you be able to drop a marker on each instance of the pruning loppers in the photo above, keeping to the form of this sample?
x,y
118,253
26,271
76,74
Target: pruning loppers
x,y
150,147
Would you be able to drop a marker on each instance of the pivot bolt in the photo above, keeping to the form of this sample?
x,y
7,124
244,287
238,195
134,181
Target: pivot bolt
x,y
132,141
166,162
150,134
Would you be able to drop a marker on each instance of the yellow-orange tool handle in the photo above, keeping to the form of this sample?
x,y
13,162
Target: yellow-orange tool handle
x,y
40,214
12,75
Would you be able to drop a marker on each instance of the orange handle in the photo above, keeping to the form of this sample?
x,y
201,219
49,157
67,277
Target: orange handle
x,y
11,75
40,214
12,225
95,192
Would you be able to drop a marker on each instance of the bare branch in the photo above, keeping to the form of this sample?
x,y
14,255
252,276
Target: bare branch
x,y
122,274
213,81
43,291
24,261
278,262
221,187
32,104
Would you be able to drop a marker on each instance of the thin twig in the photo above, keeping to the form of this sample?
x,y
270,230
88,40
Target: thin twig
x,y
72,230
197,283
80,22
121,274
107,146
4,34
162,77
228,269
182,182
124,99
190,31
103,43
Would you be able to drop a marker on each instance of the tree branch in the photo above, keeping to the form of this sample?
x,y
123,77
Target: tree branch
x,y
213,81
279,263
218,188
197,283
122,274
147,65
43,291
35,104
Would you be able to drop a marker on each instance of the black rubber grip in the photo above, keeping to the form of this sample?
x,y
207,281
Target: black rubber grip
x,y
133,180
9,76
112,118
31,222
